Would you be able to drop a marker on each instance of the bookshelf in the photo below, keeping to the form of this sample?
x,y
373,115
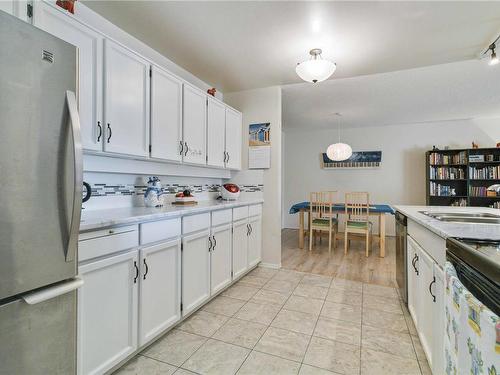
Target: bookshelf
x,y
460,177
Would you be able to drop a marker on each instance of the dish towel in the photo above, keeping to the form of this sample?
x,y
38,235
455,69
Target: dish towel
x,y
472,336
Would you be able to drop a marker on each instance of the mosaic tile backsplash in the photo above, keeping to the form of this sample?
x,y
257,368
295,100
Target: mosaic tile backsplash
x,y
103,190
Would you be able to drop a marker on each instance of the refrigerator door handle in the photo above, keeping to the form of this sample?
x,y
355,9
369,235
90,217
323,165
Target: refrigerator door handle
x,y
52,291
74,228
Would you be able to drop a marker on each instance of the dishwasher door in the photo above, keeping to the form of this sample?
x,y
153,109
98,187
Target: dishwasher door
x,y
401,256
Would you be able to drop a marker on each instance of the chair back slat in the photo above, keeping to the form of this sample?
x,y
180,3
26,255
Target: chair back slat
x,y
321,204
357,206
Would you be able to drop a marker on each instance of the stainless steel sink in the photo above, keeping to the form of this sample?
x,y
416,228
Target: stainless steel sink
x,y
464,217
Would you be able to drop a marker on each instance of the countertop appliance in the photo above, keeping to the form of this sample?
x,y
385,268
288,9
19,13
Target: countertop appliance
x,y
472,306
401,256
40,201
230,192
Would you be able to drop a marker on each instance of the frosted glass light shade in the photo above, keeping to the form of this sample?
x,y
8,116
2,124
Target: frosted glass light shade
x,y
315,70
339,152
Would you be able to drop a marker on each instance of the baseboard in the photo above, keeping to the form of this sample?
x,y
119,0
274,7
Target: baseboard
x,y
270,265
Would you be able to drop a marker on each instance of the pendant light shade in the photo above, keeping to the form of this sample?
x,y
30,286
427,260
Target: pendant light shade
x,y
339,152
316,69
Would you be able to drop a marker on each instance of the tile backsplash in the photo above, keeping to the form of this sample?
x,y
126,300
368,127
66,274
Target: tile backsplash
x,y
111,190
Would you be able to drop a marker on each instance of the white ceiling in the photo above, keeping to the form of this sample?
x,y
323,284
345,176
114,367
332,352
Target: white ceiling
x,y
241,45
462,90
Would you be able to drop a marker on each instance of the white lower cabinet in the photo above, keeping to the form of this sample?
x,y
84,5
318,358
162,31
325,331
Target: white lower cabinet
x,y
160,289
195,270
240,247
425,303
254,241
220,254
107,312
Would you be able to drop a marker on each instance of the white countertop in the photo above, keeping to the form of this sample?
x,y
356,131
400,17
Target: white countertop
x,y
96,219
453,229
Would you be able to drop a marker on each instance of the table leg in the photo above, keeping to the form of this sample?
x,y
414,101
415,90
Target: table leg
x,y
381,229
301,229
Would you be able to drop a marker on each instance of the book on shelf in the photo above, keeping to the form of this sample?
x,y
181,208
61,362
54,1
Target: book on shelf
x,y
461,202
438,190
439,158
490,172
446,173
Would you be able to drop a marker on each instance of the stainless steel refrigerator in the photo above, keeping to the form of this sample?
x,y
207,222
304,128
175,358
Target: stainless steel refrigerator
x,y
40,200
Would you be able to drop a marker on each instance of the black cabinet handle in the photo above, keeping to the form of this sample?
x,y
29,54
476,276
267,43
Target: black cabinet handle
x,y
215,243
210,244
136,272
147,269
187,149
100,131
110,132
228,157
430,288
248,230
182,148
415,264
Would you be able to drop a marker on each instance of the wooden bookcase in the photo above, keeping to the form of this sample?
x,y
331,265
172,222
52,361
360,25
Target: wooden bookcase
x,y
461,176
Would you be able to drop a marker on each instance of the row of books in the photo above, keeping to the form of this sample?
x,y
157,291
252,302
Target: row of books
x,y
439,190
446,173
462,202
438,158
477,191
489,172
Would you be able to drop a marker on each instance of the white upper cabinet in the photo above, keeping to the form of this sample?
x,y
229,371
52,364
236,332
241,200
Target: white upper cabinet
x,y
216,126
126,101
17,8
166,116
89,43
194,125
233,139
160,289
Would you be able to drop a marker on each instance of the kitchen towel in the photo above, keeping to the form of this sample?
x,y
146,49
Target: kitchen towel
x,y
472,336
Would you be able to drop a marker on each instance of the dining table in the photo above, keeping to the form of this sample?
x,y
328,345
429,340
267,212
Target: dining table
x,y
378,210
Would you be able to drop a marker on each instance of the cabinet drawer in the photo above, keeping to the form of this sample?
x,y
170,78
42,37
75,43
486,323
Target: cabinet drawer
x,y
195,223
255,210
160,230
221,217
103,242
434,245
240,213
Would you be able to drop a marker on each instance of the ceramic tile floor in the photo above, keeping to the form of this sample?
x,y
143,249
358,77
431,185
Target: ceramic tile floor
x,y
288,322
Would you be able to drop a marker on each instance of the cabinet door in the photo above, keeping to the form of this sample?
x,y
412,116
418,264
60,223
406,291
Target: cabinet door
x,y
126,101
166,115
438,321
425,310
255,241
240,246
221,265
194,125
195,271
216,126
17,8
160,295
89,88
107,312
233,139
412,276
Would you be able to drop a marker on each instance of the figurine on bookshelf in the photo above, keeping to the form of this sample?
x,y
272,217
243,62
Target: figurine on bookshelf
x,y
434,148
474,145
498,144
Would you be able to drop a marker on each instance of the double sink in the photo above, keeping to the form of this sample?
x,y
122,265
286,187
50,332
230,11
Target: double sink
x,y
464,217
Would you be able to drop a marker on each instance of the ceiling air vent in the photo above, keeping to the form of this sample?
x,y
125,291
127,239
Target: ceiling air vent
x,y
47,56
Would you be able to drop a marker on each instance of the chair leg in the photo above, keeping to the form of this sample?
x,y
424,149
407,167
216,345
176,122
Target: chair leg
x,y
310,238
345,242
335,238
330,241
367,243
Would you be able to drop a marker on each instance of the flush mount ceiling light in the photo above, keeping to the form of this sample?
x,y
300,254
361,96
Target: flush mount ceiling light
x,y
315,69
339,151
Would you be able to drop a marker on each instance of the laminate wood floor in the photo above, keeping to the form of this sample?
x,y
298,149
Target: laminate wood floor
x,y
353,266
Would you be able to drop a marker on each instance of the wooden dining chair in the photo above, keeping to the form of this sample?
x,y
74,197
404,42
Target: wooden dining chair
x,y
322,218
357,208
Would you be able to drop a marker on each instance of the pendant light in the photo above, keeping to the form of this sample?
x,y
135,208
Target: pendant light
x,y
315,69
339,151
493,56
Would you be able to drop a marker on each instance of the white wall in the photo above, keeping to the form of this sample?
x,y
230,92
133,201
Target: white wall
x,y
263,105
401,177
